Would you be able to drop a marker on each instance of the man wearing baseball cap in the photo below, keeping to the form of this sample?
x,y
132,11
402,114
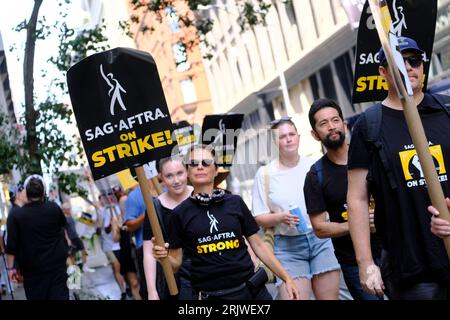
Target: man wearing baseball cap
x,y
414,261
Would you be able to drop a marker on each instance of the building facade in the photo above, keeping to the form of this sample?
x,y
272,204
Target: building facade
x,y
305,51
181,70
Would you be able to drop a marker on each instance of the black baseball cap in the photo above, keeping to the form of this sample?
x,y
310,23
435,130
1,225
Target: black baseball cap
x,y
405,44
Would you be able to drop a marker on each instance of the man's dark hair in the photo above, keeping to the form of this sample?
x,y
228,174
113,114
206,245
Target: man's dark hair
x,y
35,188
320,104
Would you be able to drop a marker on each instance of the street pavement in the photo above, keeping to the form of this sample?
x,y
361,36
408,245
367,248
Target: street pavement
x,y
98,285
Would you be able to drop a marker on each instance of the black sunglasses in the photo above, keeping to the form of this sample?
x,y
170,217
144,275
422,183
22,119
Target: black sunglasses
x,y
204,162
414,61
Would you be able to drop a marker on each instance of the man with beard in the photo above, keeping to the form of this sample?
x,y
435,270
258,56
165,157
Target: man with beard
x,y
326,191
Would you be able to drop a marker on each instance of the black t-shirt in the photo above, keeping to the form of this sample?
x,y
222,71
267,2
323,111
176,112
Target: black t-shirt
x,y
331,197
36,237
213,236
401,216
147,234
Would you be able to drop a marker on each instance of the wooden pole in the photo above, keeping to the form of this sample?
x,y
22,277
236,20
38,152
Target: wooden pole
x,y
157,185
413,121
156,228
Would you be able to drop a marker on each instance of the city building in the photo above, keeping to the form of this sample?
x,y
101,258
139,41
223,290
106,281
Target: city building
x,y
305,50
180,67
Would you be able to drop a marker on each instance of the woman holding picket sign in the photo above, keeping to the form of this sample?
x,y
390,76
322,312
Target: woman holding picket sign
x,y
210,227
174,176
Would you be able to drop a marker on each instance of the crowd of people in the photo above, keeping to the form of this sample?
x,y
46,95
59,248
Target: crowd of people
x,y
352,211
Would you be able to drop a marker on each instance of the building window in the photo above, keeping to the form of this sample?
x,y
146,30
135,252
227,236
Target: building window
x,y
179,52
345,74
172,19
188,91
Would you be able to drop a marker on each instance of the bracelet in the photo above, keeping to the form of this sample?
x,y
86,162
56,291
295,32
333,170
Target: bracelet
x,y
10,269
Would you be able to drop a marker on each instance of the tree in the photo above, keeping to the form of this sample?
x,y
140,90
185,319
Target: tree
x,y
251,13
45,145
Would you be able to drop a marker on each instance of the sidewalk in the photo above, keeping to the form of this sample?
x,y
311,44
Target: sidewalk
x,y
19,293
98,285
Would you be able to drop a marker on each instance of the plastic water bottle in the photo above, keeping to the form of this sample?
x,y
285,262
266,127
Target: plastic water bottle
x,y
302,225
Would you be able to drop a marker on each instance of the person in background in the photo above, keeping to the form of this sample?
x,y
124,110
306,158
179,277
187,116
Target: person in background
x,y
127,263
278,201
110,234
326,192
76,243
135,214
36,238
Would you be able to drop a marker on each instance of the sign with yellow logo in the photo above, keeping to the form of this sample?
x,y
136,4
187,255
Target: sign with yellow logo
x,y
409,158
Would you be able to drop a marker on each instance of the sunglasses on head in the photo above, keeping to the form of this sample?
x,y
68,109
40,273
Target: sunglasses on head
x,y
203,162
277,121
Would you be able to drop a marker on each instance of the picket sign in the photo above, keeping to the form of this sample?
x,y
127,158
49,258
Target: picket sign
x,y
123,120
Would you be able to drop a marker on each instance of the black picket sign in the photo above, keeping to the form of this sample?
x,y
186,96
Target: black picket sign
x,y
222,132
120,109
414,19
184,134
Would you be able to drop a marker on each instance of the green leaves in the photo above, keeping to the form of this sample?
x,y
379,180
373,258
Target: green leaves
x,y
250,14
69,183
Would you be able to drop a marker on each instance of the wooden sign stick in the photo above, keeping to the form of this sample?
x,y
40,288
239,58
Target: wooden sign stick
x,y
413,120
156,228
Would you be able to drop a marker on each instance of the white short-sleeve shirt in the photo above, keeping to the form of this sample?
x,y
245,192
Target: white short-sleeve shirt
x,y
108,243
285,189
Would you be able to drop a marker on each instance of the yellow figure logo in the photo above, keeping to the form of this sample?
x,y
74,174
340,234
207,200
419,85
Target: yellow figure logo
x,y
344,215
410,157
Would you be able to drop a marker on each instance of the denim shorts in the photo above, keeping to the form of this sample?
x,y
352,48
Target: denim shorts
x,y
305,256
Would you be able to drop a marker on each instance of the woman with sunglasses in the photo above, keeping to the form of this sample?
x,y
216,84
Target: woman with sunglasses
x,y
279,202
210,227
174,176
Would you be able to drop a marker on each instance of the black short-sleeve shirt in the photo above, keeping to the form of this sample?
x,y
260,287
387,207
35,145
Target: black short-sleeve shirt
x,y
213,236
401,216
36,237
331,197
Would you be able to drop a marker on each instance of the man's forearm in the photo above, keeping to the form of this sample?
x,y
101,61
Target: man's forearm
x,y
331,229
358,215
360,232
134,224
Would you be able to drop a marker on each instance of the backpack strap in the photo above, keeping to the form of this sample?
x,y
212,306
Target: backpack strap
x,y
319,170
373,117
443,101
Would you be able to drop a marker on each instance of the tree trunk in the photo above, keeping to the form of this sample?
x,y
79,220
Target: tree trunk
x,y
32,140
